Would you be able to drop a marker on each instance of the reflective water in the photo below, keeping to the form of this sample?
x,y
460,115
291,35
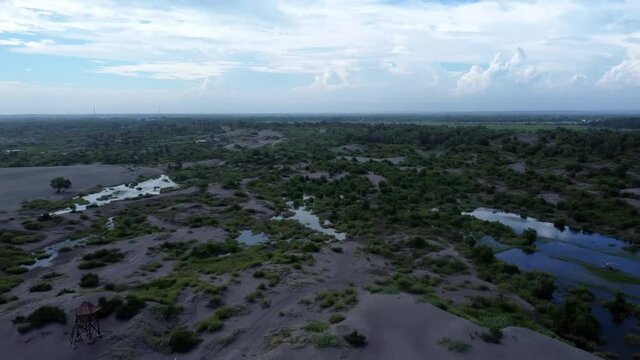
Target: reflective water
x,y
122,192
248,237
309,220
574,258
54,250
548,230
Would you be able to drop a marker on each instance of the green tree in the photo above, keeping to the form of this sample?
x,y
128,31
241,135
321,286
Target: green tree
x,y
60,184
530,236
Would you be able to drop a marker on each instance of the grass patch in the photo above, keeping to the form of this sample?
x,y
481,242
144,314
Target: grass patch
x,y
40,287
337,299
101,258
336,318
8,282
455,345
89,280
211,324
326,340
183,340
316,326
40,317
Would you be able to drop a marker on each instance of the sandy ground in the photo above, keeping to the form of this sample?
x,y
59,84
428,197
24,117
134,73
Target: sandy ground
x,y
396,326
26,183
551,197
520,167
634,191
375,179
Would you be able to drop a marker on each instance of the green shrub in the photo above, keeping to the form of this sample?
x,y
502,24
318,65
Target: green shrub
x,y
316,326
101,258
228,311
65,291
326,340
455,345
89,280
108,306
40,317
167,311
356,339
183,340
40,287
493,336
211,324
9,282
215,301
336,318
130,308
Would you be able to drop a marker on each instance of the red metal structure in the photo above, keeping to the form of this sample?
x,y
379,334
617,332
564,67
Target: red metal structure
x,y
87,325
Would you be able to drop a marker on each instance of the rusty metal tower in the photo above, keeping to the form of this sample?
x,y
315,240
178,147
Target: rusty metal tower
x,y
87,325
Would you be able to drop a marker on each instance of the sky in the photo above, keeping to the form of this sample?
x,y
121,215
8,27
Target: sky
x,y
323,56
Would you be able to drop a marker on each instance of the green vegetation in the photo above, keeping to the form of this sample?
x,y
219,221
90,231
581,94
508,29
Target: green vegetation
x,y
455,345
211,324
356,339
336,318
89,280
16,237
40,287
326,340
183,340
575,319
215,322
619,307
12,258
8,282
316,326
337,299
101,258
129,308
429,174
446,265
40,317
60,184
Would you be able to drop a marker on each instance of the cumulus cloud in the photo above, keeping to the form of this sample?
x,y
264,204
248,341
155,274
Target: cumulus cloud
x,y
331,79
627,73
360,45
499,71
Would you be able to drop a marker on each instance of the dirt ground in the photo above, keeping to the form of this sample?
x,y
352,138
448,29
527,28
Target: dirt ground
x,y
397,326
26,183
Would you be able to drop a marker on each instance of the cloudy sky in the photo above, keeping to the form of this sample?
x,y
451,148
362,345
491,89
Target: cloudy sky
x,y
222,56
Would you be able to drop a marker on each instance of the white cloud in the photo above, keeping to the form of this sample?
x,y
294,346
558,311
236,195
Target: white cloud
x,y
10,42
360,46
331,79
627,73
170,70
510,72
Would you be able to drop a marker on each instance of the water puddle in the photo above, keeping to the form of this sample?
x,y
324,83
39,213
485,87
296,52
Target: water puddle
x,y
310,220
122,192
54,250
110,224
248,237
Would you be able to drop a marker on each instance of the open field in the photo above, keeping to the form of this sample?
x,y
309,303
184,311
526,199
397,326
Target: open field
x,y
322,240
27,183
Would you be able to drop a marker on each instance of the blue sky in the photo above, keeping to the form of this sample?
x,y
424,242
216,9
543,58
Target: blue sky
x,y
207,56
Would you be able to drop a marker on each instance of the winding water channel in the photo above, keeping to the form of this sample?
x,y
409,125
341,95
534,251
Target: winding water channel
x,y
575,258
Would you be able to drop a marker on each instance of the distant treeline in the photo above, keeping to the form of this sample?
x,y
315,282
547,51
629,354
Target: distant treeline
x,y
622,123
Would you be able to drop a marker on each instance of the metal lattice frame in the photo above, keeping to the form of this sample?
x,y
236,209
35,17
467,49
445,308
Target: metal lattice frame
x,y
87,324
